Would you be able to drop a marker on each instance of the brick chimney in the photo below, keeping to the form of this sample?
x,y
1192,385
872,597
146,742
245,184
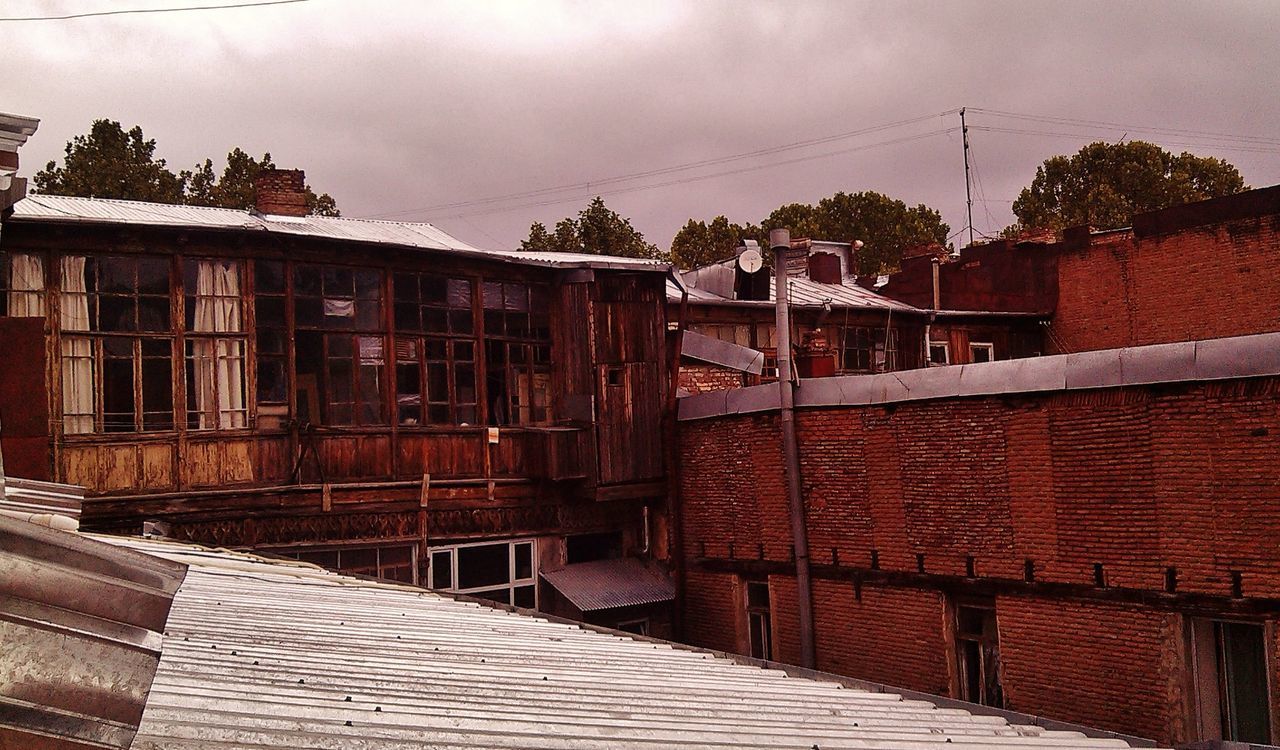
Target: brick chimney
x,y
281,192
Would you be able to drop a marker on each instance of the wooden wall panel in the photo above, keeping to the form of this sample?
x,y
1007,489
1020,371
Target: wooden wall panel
x,y
118,467
157,466
275,462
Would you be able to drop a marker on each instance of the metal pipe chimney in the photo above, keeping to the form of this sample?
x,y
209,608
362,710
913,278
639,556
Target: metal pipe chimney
x,y
780,242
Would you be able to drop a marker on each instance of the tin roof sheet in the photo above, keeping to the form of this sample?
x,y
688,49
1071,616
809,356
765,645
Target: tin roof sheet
x,y
803,293
728,354
422,236
606,584
260,654
32,497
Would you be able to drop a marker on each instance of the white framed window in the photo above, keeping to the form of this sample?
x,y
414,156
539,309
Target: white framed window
x,y
505,572
939,353
982,352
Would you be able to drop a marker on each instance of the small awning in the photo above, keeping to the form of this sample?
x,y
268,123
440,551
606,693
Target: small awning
x,y
606,584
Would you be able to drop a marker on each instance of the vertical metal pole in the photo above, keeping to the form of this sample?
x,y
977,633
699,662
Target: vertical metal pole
x,y
968,190
780,242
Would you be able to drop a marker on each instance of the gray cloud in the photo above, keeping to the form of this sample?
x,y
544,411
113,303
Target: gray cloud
x,y
393,106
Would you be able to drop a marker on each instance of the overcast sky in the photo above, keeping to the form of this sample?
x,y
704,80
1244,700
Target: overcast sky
x,y
398,108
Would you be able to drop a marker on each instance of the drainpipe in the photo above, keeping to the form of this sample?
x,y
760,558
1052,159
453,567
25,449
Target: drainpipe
x,y
780,242
675,502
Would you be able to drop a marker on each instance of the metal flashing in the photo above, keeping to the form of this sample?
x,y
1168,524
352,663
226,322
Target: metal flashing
x,y
1257,355
727,354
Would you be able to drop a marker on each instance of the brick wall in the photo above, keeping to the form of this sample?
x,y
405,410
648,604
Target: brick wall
x,y
700,378
1202,282
1136,480
1098,665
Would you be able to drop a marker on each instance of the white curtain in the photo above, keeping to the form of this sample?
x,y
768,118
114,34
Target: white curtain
x,y
77,351
26,286
218,363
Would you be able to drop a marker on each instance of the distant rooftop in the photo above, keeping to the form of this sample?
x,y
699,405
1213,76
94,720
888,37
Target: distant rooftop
x,y
412,235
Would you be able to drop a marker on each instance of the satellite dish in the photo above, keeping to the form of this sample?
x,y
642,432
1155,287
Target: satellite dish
x,y
750,260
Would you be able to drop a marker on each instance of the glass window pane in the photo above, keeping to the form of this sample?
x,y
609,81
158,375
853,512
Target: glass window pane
x,y
116,276
442,570
153,276
484,565
153,314
434,290
459,293
117,313
117,388
524,560
338,282
306,281
268,276
396,564
270,312
368,284
272,385
525,597
502,596
491,294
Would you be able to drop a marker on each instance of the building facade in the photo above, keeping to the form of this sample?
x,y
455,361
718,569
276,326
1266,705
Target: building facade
x,y
377,397
1086,536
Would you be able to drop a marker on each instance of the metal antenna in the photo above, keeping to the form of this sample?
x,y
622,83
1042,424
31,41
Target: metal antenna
x,y
968,190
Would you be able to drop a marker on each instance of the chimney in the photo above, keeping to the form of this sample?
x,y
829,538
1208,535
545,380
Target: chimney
x,y
824,268
281,192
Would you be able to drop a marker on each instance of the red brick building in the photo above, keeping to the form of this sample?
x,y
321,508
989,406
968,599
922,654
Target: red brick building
x,y
1088,537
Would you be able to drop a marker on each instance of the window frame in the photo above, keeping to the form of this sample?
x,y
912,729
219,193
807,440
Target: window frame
x,y
217,341
98,340
758,613
945,346
510,586
414,344
531,370
986,346
295,553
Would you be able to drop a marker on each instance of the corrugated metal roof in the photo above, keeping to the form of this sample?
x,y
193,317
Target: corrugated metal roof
x,y
606,584
80,624
276,654
58,208
31,497
803,293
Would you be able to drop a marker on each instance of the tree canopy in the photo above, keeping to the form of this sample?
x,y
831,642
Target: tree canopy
x,y
108,162
597,230
886,225
699,243
1105,184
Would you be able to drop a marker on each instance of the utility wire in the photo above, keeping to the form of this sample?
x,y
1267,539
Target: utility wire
x,y
1191,144
1257,140
697,178
674,169
135,11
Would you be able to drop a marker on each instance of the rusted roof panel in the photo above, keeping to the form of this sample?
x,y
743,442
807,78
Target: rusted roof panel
x,y
606,584
421,236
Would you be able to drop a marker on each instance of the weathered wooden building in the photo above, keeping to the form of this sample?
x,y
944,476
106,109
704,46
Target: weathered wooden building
x,y
375,396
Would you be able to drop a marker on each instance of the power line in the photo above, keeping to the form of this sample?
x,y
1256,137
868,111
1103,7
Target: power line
x,y
674,169
1176,132
135,11
1191,144
697,178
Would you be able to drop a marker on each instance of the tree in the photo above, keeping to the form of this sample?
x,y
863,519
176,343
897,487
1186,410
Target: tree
x,y
1105,184
699,243
597,230
108,162
885,225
